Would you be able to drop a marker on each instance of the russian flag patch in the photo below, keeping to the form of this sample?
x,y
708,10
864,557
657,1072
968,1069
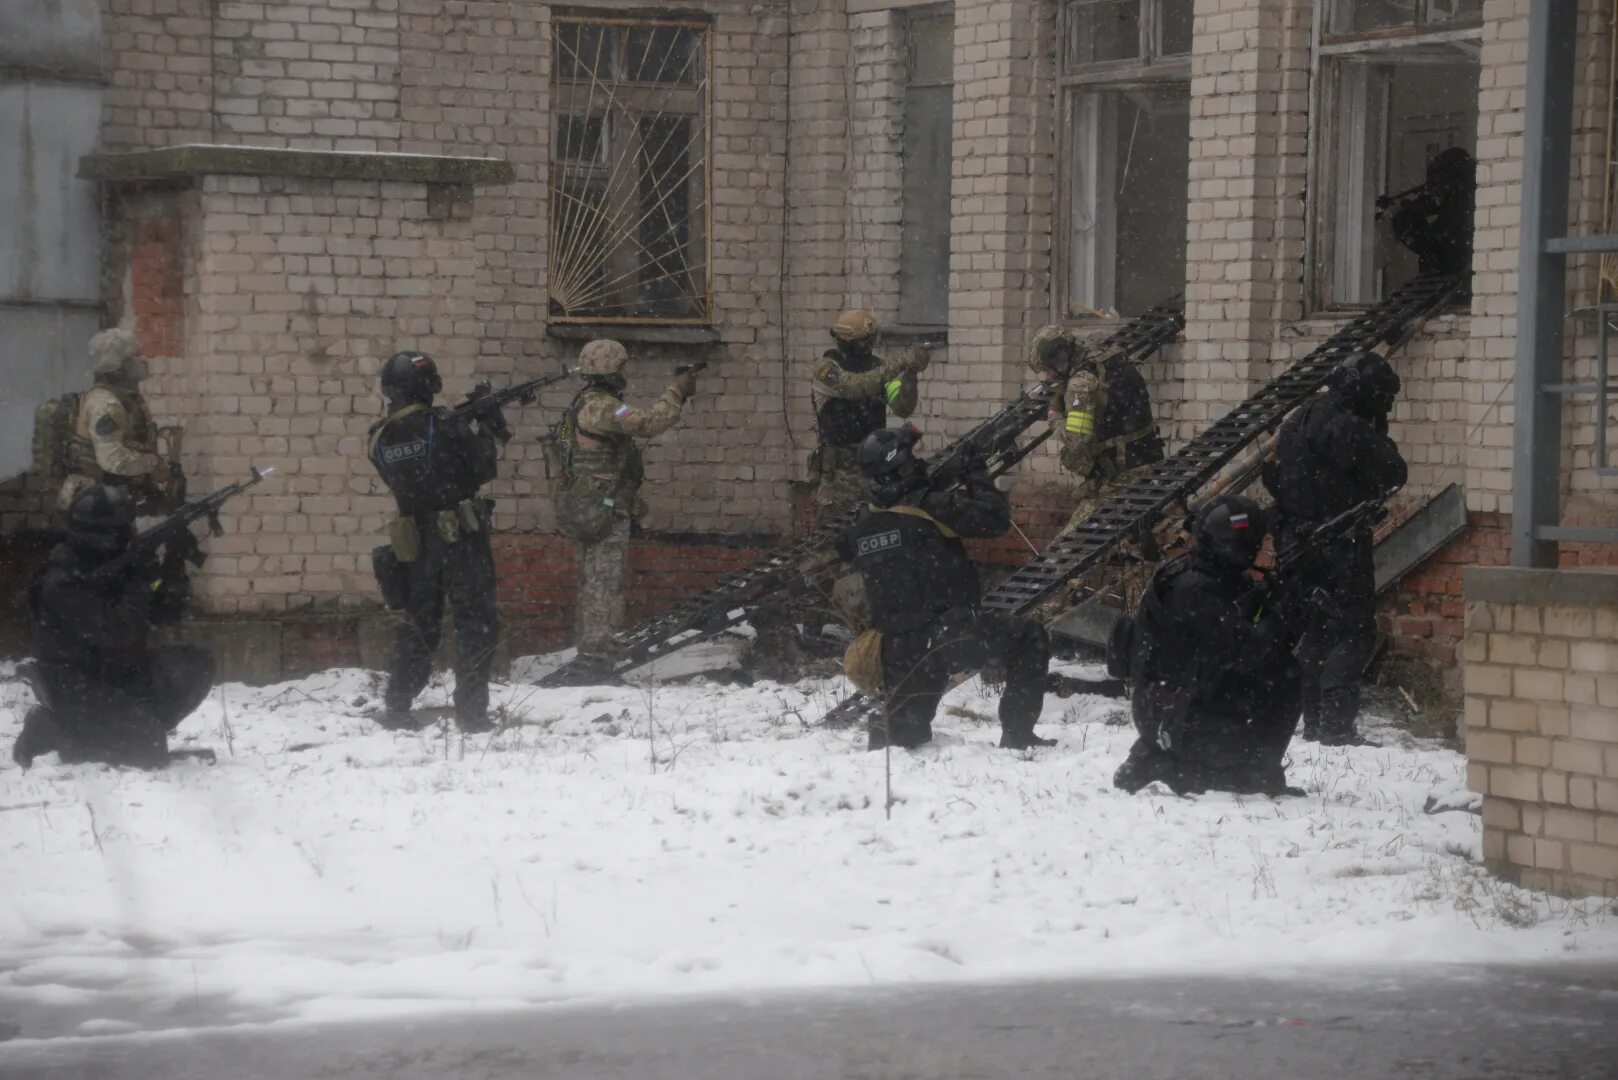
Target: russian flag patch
x,y
623,411
1238,521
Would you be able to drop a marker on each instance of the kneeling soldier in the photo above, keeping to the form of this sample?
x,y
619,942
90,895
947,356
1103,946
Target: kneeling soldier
x,y
923,594
1213,682
106,694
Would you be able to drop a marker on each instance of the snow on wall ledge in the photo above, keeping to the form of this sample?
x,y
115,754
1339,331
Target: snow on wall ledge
x,y
630,842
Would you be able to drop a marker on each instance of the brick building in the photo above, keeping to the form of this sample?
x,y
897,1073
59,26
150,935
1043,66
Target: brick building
x,y
493,182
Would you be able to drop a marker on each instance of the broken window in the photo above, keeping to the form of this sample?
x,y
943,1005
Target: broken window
x,y
925,219
629,171
1388,105
1126,148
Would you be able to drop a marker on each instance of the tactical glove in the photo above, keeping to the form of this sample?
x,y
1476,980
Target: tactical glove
x,y
916,359
685,385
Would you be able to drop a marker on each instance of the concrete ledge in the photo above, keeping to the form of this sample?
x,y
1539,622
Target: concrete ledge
x,y
204,159
1577,587
645,335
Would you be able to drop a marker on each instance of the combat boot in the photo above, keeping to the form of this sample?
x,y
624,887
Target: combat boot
x,y
38,736
396,720
1022,740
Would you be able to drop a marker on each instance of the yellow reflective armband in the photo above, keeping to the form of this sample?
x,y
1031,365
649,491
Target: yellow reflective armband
x,y
892,389
1081,423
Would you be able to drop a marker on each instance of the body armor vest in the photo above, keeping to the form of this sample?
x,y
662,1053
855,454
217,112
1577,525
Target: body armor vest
x,y
845,422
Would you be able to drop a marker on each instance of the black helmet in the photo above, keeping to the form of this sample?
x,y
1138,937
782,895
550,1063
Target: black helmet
x,y
410,376
888,451
1367,382
1453,172
102,519
1230,530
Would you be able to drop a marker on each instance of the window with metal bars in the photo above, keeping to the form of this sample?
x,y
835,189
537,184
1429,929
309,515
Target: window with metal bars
x,y
629,205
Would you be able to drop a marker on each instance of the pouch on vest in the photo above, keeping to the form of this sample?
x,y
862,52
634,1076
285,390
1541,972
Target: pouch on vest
x,y
404,539
586,516
862,662
54,422
392,576
1121,648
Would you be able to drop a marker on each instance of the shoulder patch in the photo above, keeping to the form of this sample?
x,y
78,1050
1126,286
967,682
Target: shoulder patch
x,y
621,412
827,372
106,426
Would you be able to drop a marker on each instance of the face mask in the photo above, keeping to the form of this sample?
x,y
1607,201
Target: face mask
x,y
136,371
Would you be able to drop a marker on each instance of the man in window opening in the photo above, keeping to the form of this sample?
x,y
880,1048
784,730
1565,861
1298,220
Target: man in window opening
x,y
1102,412
1334,453
853,391
1434,219
602,471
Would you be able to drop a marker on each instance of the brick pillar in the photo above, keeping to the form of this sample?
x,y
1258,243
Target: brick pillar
x,y
1244,253
1000,204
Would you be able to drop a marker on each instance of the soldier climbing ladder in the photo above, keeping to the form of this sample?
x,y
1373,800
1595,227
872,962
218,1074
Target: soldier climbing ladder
x,y
1134,510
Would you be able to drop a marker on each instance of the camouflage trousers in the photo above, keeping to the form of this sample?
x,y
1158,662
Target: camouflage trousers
x,y
601,567
1123,576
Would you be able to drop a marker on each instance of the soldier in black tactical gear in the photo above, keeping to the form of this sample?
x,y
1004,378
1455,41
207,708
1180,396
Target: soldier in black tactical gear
x,y
434,463
923,594
1435,220
1334,453
1214,685
105,694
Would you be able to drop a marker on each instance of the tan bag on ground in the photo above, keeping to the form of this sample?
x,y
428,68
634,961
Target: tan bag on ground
x,y
862,662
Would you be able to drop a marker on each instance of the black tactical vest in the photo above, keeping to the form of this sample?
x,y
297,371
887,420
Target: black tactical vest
x,y
1129,409
845,422
912,571
430,460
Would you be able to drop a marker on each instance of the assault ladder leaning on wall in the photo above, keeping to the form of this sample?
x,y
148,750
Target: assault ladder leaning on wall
x,y
1134,510
717,609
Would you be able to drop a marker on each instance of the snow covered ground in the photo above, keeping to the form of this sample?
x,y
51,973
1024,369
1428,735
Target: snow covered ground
x,y
624,842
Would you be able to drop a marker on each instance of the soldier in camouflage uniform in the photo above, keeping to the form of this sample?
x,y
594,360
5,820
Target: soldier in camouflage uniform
x,y
1102,413
853,391
599,496
114,440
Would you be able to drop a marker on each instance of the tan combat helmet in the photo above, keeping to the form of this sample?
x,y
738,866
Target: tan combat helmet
x,y
111,350
603,356
855,324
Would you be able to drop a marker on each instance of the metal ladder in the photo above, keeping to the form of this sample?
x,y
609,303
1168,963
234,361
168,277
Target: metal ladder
x,y
725,603
1134,510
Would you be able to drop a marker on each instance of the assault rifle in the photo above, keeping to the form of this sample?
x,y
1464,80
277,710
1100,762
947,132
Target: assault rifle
x,y
993,443
173,534
484,402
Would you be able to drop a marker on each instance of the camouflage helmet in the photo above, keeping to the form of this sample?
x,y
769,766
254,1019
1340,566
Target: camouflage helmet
x,y
603,356
111,349
855,324
1043,341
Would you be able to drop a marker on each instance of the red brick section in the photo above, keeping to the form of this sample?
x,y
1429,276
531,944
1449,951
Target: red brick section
x,y
156,277
309,646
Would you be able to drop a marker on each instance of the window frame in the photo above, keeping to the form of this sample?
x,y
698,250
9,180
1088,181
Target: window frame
x,y
637,90
1151,69
910,17
1327,52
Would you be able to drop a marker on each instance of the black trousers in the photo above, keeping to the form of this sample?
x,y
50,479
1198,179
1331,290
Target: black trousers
x,y
463,572
1334,610
124,721
917,666
1233,740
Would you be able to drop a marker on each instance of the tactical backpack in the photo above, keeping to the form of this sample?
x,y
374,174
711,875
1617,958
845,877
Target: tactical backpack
x,y
54,424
